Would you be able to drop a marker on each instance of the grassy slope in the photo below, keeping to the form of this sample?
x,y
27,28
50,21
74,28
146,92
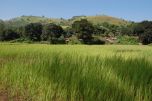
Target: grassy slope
x,y
19,21
76,73
103,18
23,20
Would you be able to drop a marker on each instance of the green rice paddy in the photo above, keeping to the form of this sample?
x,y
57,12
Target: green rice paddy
x,y
36,72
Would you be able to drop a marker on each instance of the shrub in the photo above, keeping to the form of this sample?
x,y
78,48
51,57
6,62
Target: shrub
x,y
59,40
128,40
8,35
74,40
97,41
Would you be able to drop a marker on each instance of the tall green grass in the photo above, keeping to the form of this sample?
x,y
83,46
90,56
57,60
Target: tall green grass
x,y
76,73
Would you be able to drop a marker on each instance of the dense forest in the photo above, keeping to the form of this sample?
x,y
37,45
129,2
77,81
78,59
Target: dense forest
x,y
77,30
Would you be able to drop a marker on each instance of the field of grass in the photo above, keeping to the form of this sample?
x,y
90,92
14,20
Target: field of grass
x,y
34,72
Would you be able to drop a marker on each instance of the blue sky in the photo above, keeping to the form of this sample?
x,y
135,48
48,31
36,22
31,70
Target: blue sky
x,y
134,10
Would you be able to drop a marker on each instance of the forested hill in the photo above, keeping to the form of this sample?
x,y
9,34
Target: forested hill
x,y
77,30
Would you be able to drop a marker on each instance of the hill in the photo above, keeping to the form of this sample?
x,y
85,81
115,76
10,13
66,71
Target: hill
x,y
101,19
23,20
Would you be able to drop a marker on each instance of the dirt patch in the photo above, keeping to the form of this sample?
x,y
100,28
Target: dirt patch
x,y
4,60
4,95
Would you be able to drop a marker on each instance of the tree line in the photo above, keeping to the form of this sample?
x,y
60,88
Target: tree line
x,y
81,31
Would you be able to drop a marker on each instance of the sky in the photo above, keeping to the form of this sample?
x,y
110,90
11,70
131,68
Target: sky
x,y
133,10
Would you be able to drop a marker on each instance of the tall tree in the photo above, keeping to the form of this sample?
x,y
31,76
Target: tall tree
x,y
145,32
8,35
51,32
2,26
33,31
83,30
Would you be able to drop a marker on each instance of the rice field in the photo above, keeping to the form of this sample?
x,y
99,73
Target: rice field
x,y
36,72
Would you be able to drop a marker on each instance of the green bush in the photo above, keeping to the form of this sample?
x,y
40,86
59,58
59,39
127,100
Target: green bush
x,y
59,40
97,41
74,40
128,40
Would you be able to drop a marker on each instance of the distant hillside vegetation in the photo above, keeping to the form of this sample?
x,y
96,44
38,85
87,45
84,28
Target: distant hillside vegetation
x,y
101,19
23,20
